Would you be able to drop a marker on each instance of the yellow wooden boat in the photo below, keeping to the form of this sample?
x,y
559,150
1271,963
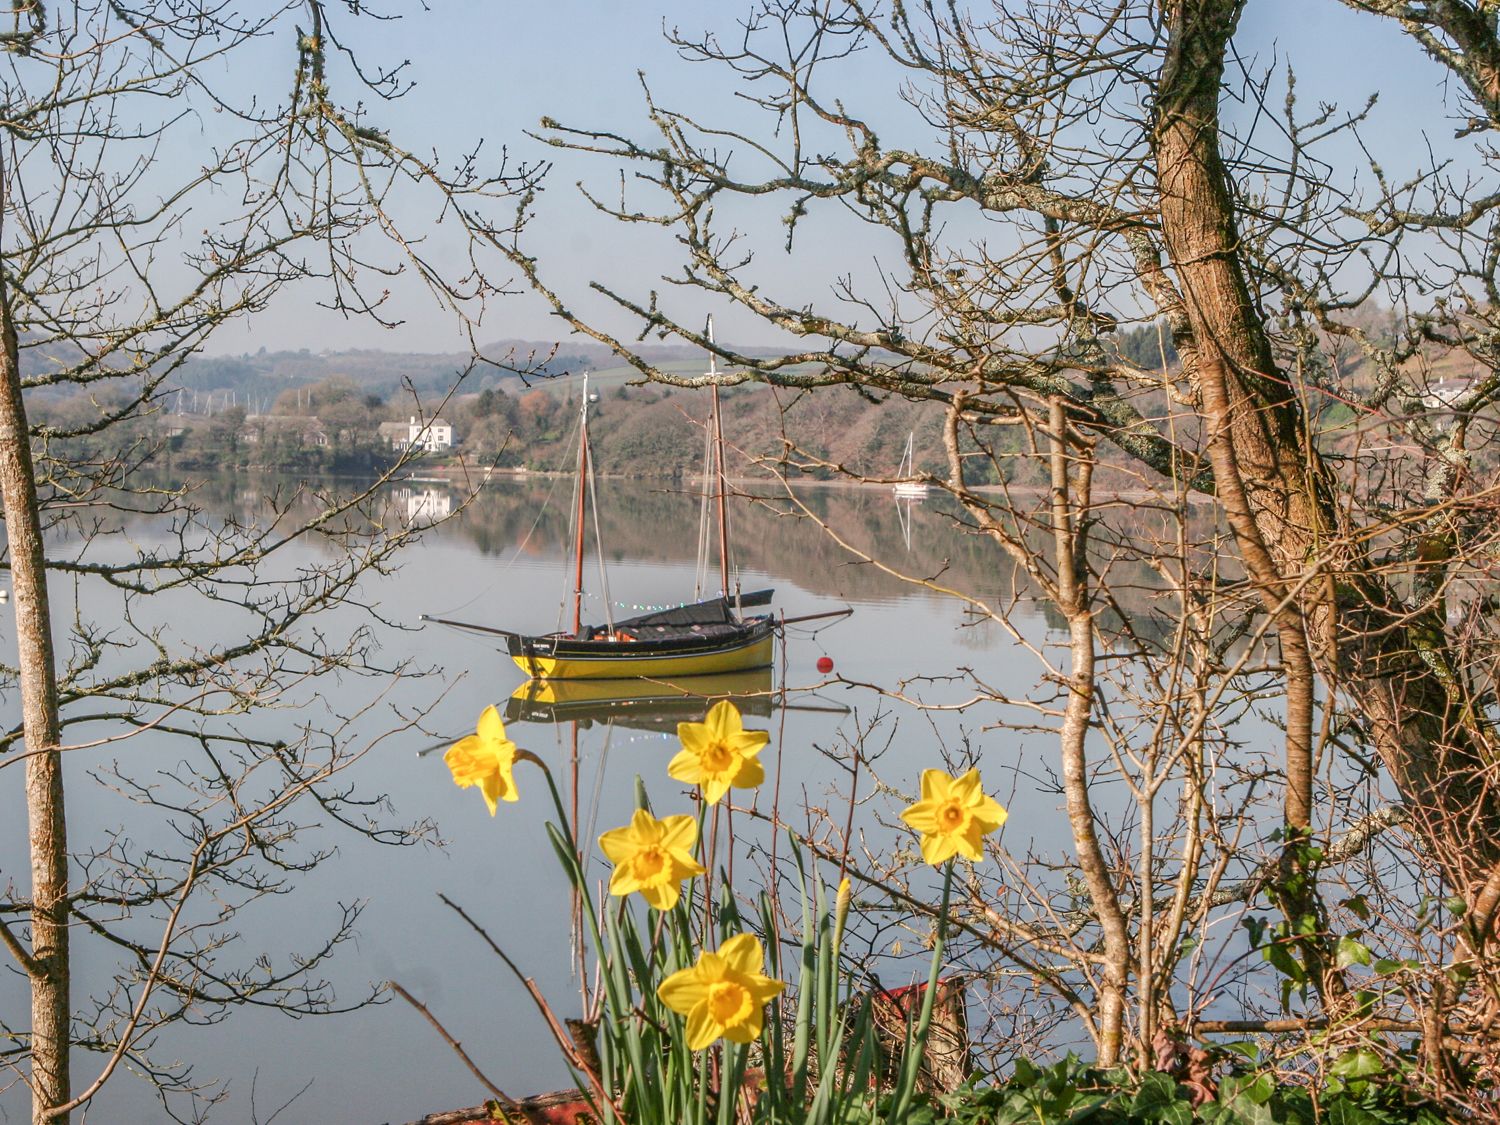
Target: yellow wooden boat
x,y
703,639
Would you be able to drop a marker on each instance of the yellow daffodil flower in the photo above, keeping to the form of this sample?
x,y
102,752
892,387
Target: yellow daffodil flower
x,y
724,995
953,816
485,758
719,752
652,856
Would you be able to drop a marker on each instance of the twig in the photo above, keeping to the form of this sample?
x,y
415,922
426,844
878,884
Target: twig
x,y
564,1041
500,1095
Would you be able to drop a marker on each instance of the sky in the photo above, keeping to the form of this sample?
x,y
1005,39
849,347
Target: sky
x,y
488,70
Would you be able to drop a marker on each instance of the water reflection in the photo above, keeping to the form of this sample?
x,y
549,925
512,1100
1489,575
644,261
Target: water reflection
x,y
656,705
654,523
505,560
426,505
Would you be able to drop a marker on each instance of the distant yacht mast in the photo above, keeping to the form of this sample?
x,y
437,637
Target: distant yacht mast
x,y
909,489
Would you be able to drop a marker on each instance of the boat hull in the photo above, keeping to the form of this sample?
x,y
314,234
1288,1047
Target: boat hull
x,y
549,658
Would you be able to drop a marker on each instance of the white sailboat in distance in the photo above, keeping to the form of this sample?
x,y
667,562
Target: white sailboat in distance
x,y
909,489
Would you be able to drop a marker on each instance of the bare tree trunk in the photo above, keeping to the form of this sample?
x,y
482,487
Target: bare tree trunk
x,y
49,965
1073,601
1280,498
1255,434
1267,474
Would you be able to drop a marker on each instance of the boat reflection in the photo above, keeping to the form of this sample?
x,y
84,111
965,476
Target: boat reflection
x,y
640,704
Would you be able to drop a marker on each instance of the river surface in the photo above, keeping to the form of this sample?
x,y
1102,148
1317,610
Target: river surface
x,y
502,563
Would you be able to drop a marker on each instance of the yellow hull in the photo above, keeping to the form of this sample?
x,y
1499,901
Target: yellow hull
x,y
608,667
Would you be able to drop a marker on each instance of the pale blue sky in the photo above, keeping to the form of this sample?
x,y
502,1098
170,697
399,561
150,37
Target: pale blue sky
x,y
491,68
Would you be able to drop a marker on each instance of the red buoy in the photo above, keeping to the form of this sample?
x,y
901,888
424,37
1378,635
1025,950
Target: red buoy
x,y
825,664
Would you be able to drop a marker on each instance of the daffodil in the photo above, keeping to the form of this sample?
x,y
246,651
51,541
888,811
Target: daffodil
x,y
652,856
953,816
719,753
724,995
485,758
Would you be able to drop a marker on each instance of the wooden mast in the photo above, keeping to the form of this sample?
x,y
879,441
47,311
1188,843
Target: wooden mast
x,y
583,476
722,482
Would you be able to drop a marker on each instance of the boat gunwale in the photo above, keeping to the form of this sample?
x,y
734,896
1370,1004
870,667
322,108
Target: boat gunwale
x,y
683,641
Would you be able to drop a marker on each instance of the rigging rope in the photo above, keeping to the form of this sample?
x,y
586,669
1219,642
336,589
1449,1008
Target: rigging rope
x,y
591,833
701,574
520,547
562,604
609,616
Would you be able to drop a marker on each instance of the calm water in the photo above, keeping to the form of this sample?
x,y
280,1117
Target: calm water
x,y
501,564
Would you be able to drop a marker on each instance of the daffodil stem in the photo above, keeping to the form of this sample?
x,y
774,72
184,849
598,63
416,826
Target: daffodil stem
x,y
710,937
572,859
916,1047
728,842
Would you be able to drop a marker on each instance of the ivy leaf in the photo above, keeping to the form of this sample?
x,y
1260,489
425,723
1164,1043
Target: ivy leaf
x,y
1352,952
1358,1064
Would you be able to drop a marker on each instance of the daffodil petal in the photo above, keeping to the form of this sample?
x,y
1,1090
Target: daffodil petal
x,y
622,881
750,774
646,827
685,866
679,832
723,720
490,727
685,767
764,989
462,760
938,850
682,991
749,742
695,737
745,1032
743,954
990,813
662,896
971,843
492,787
965,788
935,785
711,967
922,816
701,1028
508,791
618,844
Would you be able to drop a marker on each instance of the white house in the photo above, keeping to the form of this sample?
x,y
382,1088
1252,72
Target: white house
x,y
1446,394
432,437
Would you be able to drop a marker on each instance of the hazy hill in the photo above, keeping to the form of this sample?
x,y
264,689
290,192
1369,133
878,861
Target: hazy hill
x,y
260,376
657,432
